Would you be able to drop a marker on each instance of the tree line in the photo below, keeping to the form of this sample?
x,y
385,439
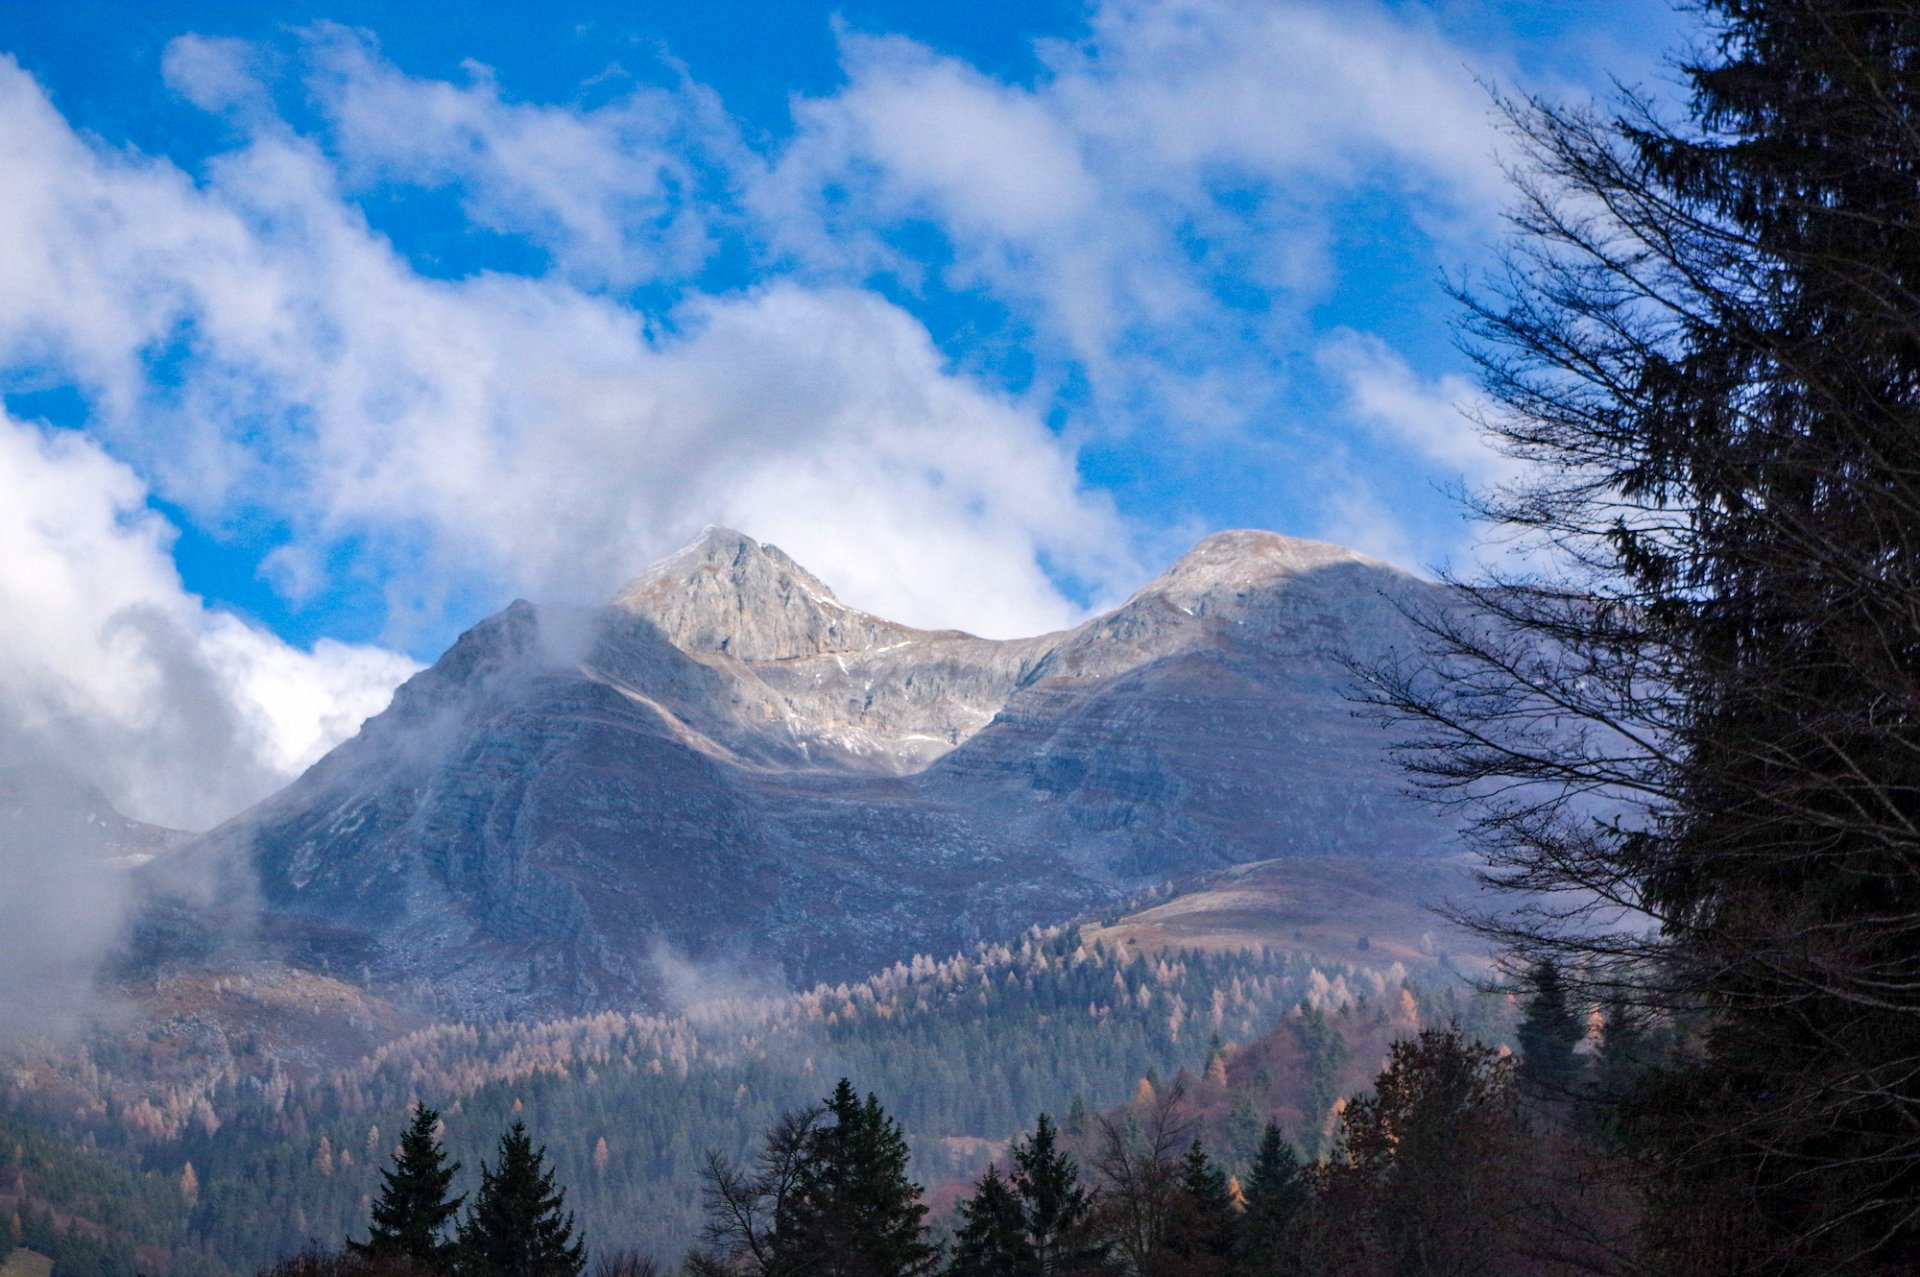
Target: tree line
x,y
630,1101
1434,1170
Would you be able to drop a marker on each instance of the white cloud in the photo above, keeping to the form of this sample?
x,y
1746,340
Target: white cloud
x,y
251,346
1283,90
217,74
939,135
1432,418
1185,159
1427,427
614,193
181,713
111,673
520,430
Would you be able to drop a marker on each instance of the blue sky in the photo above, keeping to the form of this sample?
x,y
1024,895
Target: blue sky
x,y
328,328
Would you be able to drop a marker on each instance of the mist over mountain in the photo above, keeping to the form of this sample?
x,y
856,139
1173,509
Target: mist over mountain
x,y
65,853
728,765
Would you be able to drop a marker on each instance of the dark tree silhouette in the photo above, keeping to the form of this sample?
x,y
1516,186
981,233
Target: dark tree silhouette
x,y
1056,1212
411,1215
1550,1028
1203,1235
518,1225
1430,1172
1139,1163
1695,740
745,1206
851,1210
992,1238
1275,1191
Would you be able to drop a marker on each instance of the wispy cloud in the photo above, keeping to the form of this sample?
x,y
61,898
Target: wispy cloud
x,y
1158,202
617,195
524,430
1151,216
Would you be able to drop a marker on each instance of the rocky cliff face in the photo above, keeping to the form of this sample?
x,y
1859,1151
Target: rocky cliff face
x,y
730,765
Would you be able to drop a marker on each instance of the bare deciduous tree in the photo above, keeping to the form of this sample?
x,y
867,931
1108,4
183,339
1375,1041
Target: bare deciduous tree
x,y
746,1204
1138,1162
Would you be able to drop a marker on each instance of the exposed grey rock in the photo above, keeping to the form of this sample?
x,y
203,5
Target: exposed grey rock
x,y
730,762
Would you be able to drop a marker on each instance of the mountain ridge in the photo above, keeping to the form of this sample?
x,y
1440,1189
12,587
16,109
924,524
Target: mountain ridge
x,y
728,763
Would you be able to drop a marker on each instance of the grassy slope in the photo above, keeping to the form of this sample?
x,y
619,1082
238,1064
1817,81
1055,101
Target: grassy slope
x,y
1321,906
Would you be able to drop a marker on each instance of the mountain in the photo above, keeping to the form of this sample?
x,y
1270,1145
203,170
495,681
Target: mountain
x,y
729,767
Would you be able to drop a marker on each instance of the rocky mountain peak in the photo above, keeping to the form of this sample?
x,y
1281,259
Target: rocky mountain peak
x,y
742,761
1228,564
728,593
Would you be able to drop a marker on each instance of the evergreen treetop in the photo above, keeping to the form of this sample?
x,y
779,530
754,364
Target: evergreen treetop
x,y
1702,342
1205,1227
410,1217
1550,1028
1275,1191
992,1238
852,1211
518,1225
1056,1210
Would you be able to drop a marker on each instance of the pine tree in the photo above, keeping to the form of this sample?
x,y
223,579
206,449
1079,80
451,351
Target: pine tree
x,y
1056,1211
992,1238
411,1215
516,1226
1275,1190
1549,1030
852,1211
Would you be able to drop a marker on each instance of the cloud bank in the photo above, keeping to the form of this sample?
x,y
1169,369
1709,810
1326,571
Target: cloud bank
x,y
181,713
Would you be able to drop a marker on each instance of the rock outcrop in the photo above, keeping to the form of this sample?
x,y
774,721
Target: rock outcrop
x,y
729,765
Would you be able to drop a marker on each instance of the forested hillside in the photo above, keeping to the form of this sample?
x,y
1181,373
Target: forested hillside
x,y
233,1167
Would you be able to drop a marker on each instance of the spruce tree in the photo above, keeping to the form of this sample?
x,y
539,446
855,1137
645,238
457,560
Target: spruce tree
x,y
992,1238
517,1225
411,1215
1243,1129
1204,1232
1275,1191
1549,1030
1057,1212
1693,739
852,1211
